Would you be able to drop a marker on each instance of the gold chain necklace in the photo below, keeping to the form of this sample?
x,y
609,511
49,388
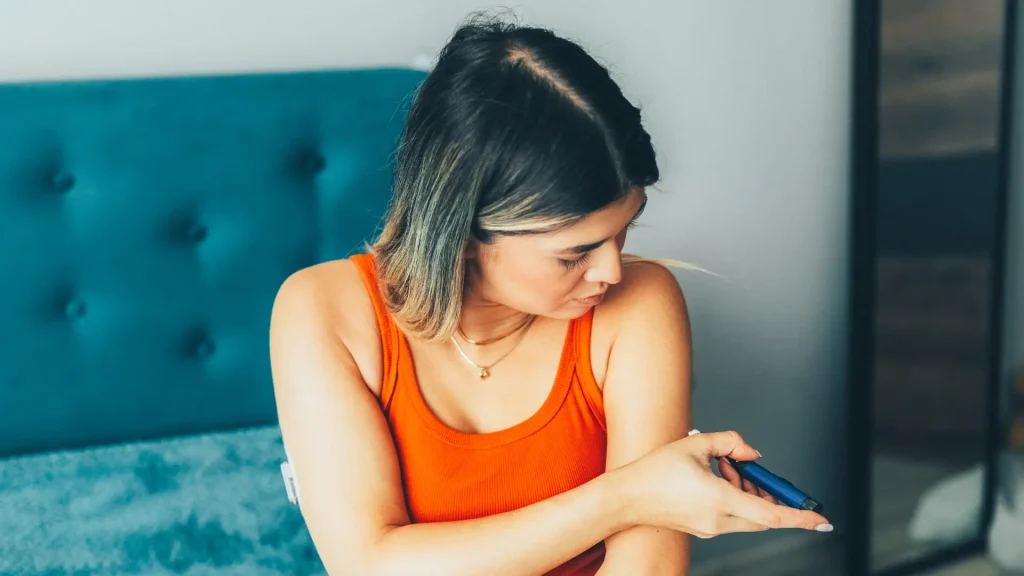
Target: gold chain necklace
x,y
526,320
485,371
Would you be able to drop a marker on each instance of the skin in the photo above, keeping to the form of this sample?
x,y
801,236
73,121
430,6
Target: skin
x,y
326,359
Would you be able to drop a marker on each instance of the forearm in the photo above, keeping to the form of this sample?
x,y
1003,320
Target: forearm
x,y
531,540
647,551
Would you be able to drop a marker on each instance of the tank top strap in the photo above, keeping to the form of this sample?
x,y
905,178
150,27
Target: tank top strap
x,y
581,331
389,333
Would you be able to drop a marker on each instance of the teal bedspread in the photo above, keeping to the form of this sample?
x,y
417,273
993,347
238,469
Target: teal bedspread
x,y
211,504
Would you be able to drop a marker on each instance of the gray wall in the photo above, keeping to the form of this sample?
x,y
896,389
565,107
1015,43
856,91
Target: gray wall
x,y
748,106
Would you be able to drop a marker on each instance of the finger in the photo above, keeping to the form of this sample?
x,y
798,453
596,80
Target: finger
x,y
767,496
733,524
773,515
725,444
729,473
749,488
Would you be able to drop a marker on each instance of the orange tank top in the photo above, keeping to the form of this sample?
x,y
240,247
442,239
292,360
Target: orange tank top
x,y
449,475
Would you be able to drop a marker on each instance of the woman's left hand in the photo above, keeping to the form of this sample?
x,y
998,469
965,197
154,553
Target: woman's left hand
x,y
733,477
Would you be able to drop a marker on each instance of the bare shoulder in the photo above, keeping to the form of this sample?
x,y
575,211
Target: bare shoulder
x,y
317,286
648,304
326,306
647,286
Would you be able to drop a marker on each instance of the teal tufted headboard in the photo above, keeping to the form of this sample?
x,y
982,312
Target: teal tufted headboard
x,y
145,226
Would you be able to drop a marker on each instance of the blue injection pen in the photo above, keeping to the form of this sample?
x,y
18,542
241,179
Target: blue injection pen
x,y
783,490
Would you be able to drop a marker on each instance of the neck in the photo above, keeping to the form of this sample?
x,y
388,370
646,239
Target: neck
x,y
481,319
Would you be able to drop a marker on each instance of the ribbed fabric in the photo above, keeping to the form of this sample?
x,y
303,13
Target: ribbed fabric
x,y
450,475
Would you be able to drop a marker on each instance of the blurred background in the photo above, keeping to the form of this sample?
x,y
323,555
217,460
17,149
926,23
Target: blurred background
x,y
844,167
939,205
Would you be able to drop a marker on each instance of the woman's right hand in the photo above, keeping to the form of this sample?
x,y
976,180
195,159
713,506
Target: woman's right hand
x,y
673,487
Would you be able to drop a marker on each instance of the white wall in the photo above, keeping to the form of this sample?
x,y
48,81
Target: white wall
x,y
747,103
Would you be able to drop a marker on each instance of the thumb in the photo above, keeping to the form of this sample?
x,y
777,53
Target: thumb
x,y
726,445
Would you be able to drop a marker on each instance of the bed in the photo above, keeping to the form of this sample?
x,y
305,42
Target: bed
x,y
145,226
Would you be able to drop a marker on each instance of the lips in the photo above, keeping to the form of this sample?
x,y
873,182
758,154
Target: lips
x,y
591,300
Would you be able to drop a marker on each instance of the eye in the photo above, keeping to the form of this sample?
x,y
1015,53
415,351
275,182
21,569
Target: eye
x,y
575,263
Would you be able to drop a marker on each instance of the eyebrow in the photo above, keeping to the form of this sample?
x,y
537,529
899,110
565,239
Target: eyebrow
x,y
582,248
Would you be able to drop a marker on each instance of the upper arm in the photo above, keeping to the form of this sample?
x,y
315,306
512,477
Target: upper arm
x,y
332,424
647,399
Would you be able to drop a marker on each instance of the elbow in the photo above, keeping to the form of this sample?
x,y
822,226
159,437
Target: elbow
x,y
383,558
364,563
370,558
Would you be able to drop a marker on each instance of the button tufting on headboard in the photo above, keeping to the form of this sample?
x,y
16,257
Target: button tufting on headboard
x,y
75,309
204,194
204,348
195,233
315,163
63,182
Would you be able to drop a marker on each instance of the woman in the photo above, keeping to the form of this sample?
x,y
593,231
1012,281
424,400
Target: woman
x,y
492,390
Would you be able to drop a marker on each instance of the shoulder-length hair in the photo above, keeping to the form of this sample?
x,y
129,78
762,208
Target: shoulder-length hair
x,y
514,131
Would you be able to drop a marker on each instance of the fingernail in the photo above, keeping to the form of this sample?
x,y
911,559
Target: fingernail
x,y
758,453
824,528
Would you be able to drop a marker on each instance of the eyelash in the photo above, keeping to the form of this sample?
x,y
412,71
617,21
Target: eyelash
x,y
573,264
632,223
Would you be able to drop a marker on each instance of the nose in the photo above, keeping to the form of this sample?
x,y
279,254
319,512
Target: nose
x,y
606,265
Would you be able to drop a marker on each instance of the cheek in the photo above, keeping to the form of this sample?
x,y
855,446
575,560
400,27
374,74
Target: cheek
x,y
550,280
539,285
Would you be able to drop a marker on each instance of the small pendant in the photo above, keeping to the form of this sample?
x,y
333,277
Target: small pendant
x,y
484,373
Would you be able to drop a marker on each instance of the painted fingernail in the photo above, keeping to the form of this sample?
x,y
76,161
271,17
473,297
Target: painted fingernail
x,y
824,528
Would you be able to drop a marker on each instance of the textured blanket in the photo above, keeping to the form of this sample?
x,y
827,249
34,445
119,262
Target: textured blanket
x,y
212,504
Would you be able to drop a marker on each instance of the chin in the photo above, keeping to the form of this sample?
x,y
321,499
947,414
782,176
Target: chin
x,y
561,309
569,311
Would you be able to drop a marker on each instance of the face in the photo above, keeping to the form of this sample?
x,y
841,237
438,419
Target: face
x,y
557,274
